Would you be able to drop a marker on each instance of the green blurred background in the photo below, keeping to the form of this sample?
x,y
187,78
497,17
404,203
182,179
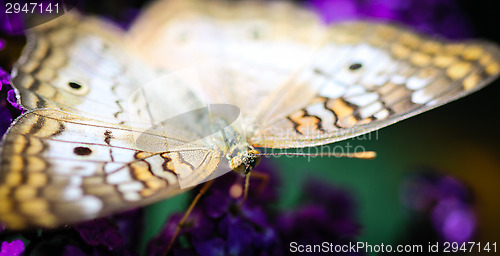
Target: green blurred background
x,y
460,139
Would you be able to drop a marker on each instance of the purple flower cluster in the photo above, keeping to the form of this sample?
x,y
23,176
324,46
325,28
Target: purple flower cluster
x,y
14,248
9,108
443,203
219,226
437,17
115,235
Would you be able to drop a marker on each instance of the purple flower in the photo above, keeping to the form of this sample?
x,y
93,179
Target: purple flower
x,y
10,23
100,231
444,203
455,220
118,234
13,248
436,17
9,108
114,235
328,214
4,78
12,99
219,226
130,226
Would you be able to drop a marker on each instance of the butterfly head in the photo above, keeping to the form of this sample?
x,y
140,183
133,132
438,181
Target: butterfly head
x,y
244,161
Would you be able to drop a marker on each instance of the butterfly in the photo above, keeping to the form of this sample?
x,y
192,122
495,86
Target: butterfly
x,y
95,141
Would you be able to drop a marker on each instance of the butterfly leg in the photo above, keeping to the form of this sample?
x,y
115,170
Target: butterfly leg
x,y
203,190
245,191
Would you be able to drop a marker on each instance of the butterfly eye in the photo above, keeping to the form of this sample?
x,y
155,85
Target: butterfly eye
x,y
355,66
82,151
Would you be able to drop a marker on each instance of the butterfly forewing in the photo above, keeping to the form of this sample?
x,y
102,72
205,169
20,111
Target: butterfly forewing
x,y
367,76
60,168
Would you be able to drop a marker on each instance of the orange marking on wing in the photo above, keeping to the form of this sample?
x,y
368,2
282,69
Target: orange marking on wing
x,y
24,192
431,47
18,144
400,51
472,52
443,61
386,32
141,171
36,147
340,108
343,112
308,124
4,193
409,40
142,155
45,219
377,41
471,81
459,70
155,184
493,68
38,179
34,207
419,59
364,121
13,179
297,115
6,206
16,163
36,164
453,49
485,59
147,192
347,121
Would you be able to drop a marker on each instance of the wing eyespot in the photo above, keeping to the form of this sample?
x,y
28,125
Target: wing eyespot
x,y
82,151
77,88
355,66
75,85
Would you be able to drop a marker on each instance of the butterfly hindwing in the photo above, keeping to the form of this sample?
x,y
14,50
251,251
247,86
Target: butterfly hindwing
x,y
252,45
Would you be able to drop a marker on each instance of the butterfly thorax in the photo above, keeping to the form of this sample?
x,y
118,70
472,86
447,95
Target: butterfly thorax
x,y
242,156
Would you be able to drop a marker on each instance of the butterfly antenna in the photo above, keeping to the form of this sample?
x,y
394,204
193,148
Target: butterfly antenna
x,y
359,155
180,225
